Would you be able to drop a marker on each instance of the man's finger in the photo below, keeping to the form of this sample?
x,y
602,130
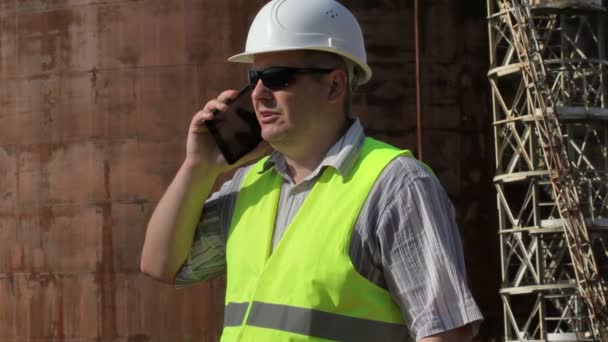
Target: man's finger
x,y
214,105
227,95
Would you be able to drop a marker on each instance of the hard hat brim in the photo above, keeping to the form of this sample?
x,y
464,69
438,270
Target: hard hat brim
x,y
365,71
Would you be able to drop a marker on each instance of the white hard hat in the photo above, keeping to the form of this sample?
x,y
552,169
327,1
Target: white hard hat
x,y
321,25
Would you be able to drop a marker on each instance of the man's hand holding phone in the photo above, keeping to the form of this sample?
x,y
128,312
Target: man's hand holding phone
x,y
210,142
171,227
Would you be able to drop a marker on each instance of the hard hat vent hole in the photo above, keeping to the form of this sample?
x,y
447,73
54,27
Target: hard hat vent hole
x,y
333,14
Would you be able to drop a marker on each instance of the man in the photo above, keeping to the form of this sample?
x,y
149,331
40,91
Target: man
x,y
334,236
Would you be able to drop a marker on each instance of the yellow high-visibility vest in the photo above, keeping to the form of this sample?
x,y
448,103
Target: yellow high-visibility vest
x,y
307,288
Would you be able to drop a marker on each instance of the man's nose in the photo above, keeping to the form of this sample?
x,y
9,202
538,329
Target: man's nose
x,y
260,92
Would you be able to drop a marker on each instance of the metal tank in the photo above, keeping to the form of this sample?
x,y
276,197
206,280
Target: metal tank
x,y
95,101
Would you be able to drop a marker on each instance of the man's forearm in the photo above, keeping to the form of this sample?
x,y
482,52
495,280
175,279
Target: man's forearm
x,y
172,225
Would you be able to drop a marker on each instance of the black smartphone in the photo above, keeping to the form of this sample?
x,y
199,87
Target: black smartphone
x,y
237,130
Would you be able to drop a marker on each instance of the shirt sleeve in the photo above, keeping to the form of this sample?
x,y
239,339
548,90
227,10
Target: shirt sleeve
x,y
423,261
207,256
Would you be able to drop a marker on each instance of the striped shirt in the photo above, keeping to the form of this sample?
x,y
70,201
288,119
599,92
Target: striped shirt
x,y
405,239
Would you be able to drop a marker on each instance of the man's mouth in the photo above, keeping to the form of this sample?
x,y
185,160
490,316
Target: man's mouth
x,y
267,116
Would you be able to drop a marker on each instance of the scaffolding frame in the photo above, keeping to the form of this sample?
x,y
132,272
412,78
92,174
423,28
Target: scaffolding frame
x,y
549,97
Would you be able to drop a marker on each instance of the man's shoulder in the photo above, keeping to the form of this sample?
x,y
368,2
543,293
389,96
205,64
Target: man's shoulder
x,y
403,175
404,169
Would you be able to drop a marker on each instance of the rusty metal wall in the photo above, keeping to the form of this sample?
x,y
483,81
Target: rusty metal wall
x,y
95,99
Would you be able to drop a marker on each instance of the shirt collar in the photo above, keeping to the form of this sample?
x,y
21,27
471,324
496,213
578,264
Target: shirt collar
x,y
341,156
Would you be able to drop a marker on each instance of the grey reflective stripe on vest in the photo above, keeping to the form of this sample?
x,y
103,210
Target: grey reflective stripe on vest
x,y
234,313
323,324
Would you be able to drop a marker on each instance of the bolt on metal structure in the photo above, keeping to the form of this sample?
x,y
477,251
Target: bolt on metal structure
x,y
549,94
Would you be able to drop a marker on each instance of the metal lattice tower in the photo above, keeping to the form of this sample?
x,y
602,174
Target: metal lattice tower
x,y
549,93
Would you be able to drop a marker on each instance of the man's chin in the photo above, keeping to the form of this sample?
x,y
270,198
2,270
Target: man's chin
x,y
273,136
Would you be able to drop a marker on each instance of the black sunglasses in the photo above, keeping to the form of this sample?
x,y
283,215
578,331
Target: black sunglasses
x,y
277,78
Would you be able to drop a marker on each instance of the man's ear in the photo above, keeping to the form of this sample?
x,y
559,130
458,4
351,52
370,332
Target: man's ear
x,y
339,82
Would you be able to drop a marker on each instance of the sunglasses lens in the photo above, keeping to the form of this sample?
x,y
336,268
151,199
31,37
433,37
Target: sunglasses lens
x,y
274,78
254,77
277,78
